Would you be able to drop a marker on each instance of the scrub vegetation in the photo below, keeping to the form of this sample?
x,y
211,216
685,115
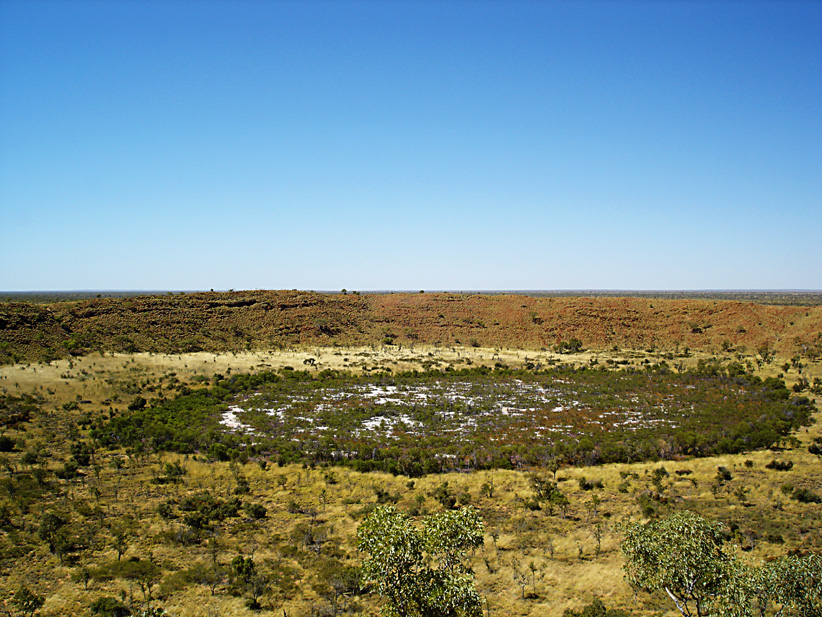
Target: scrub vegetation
x,y
416,423
514,482
265,320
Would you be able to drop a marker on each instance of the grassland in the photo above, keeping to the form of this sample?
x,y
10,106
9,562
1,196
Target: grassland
x,y
187,517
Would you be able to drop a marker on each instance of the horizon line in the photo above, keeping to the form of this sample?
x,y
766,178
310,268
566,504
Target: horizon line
x,y
416,291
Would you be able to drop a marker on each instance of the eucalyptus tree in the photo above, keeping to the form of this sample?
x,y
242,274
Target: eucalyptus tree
x,y
422,571
686,556
682,555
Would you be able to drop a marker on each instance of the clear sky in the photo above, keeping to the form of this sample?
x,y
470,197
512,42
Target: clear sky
x,y
161,144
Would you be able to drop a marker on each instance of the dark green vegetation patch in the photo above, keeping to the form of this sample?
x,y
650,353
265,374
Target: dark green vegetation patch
x,y
416,423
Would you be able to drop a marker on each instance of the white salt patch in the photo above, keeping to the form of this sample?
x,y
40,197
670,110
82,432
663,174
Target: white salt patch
x,y
231,421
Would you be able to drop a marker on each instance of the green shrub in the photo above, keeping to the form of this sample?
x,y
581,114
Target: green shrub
x,y
255,510
804,495
109,607
595,609
623,486
6,444
780,465
27,601
68,471
166,510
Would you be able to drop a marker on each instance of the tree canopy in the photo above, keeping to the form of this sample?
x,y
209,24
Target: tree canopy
x,y
686,556
422,572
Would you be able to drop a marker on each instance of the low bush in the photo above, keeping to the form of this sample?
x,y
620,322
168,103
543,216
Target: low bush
x,y
804,495
109,607
255,510
587,485
595,609
780,465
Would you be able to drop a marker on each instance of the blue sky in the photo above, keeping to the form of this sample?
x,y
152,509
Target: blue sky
x,y
410,145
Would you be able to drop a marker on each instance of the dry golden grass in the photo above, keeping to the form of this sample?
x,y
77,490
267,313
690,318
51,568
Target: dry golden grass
x,y
89,376
567,570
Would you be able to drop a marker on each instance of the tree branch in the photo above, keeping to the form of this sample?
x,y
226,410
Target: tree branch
x,y
682,609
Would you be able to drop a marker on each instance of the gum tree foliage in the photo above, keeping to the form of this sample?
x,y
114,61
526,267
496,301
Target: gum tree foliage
x,y
682,555
422,572
790,585
685,556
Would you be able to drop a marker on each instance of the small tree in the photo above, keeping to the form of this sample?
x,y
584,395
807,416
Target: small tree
x,y
210,575
520,577
547,491
789,585
422,572
49,530
793,583
120,540
144,572
553,467
246,578
766,354
598,532
681,555
559,500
